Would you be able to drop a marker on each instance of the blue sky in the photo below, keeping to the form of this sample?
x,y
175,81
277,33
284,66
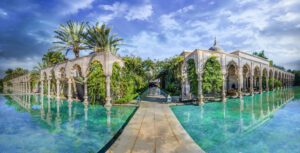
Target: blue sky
x,y
157,29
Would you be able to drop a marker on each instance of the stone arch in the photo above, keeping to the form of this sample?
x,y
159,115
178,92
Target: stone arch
x,y
77,81
256,75
232,78
246,77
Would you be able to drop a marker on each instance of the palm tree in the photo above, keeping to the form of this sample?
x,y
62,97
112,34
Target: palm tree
x,y
100,39
39,66
70,37
52,58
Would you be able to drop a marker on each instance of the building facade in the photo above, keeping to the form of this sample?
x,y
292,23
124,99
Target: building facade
x,y
242,73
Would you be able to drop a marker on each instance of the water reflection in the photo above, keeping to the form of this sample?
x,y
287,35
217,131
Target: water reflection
x,y
218,123
51,110
75,125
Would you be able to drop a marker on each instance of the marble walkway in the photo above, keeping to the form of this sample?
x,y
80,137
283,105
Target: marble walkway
x,y
154,129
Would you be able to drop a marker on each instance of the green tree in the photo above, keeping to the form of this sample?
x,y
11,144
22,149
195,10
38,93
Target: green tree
x,y
10,73
170,74
297,77
100,39
70,37
96,83
277,83
212,76
116,81
260,54
271,80
192,76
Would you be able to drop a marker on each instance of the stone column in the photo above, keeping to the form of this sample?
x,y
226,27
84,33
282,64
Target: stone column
x,y
240,82
85,90
182,89
200,92
42,87
273,79
224,88
49,87
29,87
22,88
57,89
267,81
69,89
251,84
260,81
108,98
26,87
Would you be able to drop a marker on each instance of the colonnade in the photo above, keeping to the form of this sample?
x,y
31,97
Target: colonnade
x,y
78,68
19,85
67,72
242,74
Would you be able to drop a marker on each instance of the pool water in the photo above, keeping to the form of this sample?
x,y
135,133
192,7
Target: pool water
x,y
42,125
268,122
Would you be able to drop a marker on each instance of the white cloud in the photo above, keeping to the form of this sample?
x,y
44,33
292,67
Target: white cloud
x,y
288,17
139,13
3,13
73,6
250,27
168,21
26,63
120,10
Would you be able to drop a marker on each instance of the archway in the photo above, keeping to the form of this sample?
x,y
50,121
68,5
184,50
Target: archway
x,y
77,79
256,78
212,79
232,79
246,78
96,83
63,82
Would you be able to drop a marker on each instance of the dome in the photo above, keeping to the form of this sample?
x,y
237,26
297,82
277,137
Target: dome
x,y
215,47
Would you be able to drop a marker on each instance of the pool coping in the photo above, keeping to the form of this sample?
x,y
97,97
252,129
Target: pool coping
x,y
118,133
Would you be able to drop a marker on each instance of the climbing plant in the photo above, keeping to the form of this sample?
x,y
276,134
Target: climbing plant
x,y
116,81
96,83
212,76
192,76
277,83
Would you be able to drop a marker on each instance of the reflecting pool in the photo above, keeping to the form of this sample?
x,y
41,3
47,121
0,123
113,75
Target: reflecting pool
x,y
268,122
42,125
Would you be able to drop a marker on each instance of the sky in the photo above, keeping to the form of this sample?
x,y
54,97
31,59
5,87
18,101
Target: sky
x,y
155,29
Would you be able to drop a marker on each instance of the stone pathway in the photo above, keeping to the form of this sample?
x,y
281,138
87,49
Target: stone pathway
x,y
154,129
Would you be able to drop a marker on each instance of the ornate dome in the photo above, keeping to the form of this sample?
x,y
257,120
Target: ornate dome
x,y
215,47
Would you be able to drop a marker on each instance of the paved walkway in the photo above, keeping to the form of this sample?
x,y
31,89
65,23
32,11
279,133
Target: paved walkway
x,y
154,129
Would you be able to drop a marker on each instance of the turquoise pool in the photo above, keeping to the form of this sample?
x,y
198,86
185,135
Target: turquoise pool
x,y
32,124
268,122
